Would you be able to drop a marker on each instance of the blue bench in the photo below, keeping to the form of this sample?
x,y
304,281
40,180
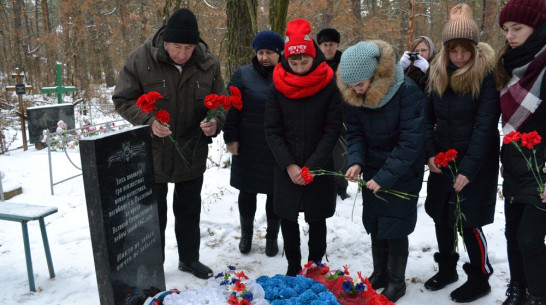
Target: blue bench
x,y
24,213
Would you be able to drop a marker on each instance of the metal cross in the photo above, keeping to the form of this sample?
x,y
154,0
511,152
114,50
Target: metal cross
x,y
59,89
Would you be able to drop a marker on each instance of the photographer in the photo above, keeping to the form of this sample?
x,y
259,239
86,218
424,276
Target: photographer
x,y
416,61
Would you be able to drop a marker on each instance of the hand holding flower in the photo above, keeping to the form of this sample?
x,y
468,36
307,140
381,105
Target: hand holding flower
x,y
160,130
353,171
460,182
433,167
373,186
294,171
209,127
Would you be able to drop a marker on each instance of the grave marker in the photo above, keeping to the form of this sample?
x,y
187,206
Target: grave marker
x,y
123,220
59,89
20,89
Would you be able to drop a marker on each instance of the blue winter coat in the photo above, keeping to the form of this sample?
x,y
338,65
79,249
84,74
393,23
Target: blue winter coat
x,y
252,168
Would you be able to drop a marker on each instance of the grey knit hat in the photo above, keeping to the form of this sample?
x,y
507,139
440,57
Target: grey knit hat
x,y
359,62
461,25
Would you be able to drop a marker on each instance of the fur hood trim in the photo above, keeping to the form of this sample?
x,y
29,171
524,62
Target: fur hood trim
x,y
462,83
381,83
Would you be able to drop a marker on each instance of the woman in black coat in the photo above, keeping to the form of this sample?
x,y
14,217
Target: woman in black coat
x,y
463,114
523,58
252,160
302,125
385,133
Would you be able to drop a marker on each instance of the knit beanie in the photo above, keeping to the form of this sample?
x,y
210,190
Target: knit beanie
x,y
328,34
359,62
182,28
298,39
461,25
528,12
268,40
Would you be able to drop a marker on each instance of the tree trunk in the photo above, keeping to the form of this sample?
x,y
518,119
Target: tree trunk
x,y
46,24
239,35
278,10
411,24
356,8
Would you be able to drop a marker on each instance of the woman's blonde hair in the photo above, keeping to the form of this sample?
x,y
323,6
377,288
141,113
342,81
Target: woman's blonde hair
x,y
439,79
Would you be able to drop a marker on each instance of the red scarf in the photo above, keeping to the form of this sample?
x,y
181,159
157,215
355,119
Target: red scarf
x,y
295,86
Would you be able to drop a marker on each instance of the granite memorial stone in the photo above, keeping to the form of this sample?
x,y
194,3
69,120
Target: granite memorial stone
x,y
46,117
118,177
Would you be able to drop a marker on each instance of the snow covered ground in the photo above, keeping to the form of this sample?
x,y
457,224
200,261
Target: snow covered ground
x,y
68,232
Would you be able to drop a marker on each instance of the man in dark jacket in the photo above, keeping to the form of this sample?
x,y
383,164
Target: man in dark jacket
x,y
176,63
328,40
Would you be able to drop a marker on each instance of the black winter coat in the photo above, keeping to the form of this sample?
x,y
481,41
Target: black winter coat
x,y
470,126
519,185
252,168
304,132
387,142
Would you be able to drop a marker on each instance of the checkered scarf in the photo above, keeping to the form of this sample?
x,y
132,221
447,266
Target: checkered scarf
x,y
521,96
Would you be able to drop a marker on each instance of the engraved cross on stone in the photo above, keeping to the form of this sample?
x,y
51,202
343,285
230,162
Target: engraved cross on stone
x,y
59,89
20,89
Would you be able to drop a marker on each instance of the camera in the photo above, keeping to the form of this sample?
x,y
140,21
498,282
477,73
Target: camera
x,y
413,55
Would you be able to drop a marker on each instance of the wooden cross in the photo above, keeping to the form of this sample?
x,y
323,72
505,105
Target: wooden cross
x,y
59,89
20,89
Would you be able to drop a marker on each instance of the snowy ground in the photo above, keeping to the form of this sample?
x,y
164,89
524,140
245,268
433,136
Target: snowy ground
x,y
70,243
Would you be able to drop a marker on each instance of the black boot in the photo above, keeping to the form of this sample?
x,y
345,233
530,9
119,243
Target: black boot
x,y
396,287
380,276
271,246
516,295
475,287
294,261
532,300
247,230
447,271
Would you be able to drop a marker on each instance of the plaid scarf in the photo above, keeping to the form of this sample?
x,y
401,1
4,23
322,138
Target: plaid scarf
x,y
521,96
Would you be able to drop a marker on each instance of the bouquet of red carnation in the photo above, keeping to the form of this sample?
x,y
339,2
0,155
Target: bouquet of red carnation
x,y
528,140
219,103
447,159
146,102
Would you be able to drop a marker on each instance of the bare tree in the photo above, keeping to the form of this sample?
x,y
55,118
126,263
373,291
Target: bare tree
x,y
278,10
239,34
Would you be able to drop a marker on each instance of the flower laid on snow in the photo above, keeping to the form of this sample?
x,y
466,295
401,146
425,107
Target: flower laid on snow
x,y
236,284
353,287
282,289
529,140
448,160
308,176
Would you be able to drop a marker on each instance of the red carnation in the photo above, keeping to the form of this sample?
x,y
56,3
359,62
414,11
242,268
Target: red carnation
x,y
236,97
225,101
145,104
513,136
530,139
154,96
441,159
245,302
212,101
162,116
451,155
306,175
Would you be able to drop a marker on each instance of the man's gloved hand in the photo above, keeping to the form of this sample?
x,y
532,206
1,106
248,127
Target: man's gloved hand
x,y
405,61
421,63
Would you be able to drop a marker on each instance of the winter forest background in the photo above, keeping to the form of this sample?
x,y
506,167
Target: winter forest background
x,y
91,38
